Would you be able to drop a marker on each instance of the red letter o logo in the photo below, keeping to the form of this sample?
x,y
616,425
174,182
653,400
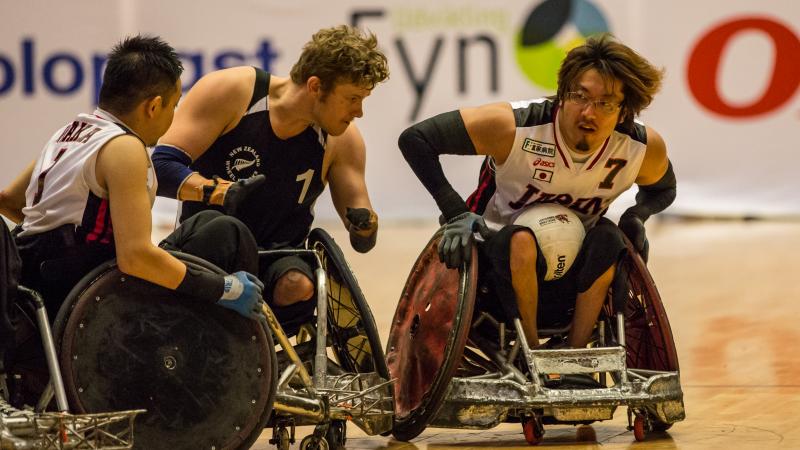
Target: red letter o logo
x,y
704,66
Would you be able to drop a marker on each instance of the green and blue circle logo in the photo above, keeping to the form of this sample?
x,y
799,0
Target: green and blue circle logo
x,y
552,29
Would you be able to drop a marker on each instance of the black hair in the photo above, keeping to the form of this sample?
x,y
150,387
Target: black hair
x,y
139,67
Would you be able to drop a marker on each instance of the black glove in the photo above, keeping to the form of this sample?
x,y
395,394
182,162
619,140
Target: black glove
x,y
237,193
633,227
360,220
455,247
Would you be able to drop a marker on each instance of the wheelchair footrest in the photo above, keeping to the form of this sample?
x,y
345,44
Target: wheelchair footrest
x,y
579,360
482,403
364,398
25,429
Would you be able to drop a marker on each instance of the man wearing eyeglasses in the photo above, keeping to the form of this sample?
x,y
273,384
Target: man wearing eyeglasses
x,y
580,148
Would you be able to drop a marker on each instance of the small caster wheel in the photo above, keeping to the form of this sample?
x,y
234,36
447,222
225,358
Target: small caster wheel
x,y
312,442
533,429
337,434
639,428
282,439
281,436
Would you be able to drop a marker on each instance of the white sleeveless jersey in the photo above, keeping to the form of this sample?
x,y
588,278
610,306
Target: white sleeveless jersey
x,y
63,188
539,169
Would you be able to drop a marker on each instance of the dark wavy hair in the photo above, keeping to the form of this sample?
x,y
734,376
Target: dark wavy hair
x,y
612,59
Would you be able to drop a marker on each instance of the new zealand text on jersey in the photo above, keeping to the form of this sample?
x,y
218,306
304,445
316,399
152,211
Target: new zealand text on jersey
x,y
243,162
590,206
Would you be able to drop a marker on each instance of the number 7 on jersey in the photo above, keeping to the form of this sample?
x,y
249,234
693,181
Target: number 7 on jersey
x,y
305,177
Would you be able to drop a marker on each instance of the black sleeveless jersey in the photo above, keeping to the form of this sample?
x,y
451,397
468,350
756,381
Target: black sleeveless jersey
x,y
280,212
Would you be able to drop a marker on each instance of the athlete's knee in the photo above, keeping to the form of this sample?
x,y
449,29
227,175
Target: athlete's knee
x,y
523,251
229,224
206,216
229,229
292,287
600,278
606,277
605,235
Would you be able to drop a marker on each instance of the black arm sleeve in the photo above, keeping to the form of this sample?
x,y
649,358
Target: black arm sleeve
x,y
421,144
654,198
203,285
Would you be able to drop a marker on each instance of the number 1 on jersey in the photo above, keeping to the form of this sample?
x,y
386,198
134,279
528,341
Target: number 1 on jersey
x,y
305,177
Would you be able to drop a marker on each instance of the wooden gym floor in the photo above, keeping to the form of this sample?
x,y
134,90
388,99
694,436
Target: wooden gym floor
x,y
733,298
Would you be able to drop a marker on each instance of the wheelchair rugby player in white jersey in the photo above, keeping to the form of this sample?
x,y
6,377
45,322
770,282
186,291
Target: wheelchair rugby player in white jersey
x,y
535,339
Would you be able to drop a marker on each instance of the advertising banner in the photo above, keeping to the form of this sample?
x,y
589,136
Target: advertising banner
x,y
728,110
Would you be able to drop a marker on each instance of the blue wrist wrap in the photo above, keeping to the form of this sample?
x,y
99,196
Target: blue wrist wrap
x,y
172,169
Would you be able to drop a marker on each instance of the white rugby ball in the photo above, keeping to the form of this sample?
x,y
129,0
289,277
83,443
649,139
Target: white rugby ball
x,y
559,233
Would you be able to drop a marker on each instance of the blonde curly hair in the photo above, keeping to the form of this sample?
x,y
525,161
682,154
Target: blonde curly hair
x,y
341,53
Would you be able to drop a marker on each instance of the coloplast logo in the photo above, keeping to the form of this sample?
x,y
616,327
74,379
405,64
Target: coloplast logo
x,y
552,29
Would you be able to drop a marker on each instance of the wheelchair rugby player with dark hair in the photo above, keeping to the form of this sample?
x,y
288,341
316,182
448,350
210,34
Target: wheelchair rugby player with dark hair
x,y
87,199
578,151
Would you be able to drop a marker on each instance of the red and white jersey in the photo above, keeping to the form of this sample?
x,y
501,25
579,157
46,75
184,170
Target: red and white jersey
x,y
540,169
63,188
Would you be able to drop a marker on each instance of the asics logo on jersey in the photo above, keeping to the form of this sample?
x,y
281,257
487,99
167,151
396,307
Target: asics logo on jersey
x,y
240,164
543,163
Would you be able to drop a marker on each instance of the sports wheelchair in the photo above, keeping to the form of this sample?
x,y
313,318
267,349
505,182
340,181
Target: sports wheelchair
x,y
207,377
459,367
28,361
350,380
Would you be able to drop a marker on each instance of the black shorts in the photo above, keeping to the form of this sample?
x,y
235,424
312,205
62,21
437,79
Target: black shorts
x,y
221,240
296,314
55,261
227,243
602,248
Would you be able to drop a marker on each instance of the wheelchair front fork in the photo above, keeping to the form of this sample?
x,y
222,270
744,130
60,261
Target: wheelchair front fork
x,y
56,385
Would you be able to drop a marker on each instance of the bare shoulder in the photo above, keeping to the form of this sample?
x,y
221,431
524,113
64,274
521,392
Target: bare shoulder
x,y
121,150
348,144
491,128
211,107
655,142
655,159
123,156
227,86
123,146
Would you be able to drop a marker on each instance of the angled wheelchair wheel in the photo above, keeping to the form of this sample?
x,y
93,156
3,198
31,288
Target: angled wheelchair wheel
x,y
648,335
427,338
351,326
205,375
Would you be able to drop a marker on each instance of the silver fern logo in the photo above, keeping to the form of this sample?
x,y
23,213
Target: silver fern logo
x,y
242,162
